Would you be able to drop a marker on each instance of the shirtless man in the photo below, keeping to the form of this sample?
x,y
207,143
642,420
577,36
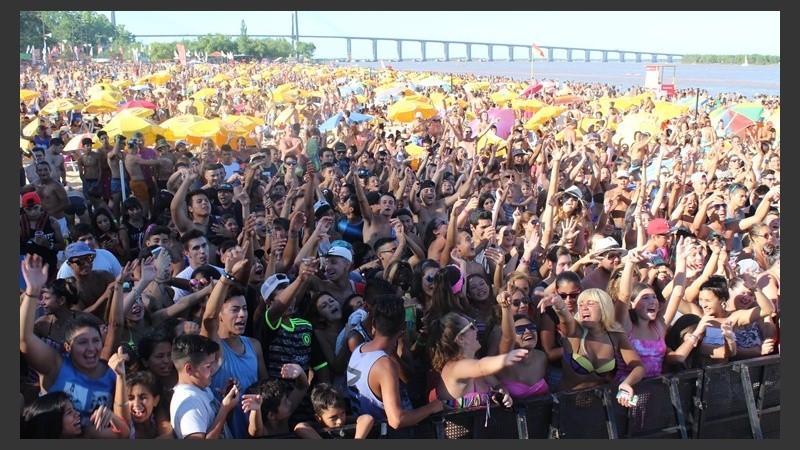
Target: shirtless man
x,y
291,143
419,129
138,179
376,225
56,159
427,207
167,167
54,199
90,166
194,212
113,157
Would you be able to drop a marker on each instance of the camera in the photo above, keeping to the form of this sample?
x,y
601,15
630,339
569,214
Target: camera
x,y
132,143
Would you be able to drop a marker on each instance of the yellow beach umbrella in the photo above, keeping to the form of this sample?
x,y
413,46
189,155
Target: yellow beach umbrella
x,y
138,111
215,129
27,94
106,96
108,88
531,105
477,86
74,144
489,139
100,106
284,116
632,123
667,110
126,125
220,77
160,78
30,129
503,96
25,144
404,110
176,126
61,105
205,92
245,122
543,115
122,83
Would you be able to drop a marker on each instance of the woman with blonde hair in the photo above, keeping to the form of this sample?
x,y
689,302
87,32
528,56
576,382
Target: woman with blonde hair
x,y
592,341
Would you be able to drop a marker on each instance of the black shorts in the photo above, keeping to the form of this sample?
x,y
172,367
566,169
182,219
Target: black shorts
x,y
77,206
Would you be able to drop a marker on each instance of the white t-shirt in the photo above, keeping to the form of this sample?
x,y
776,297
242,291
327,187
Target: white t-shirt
x,y
103,260
186,274
192,410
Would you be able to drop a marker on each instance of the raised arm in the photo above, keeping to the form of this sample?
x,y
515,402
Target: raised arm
x,y
178,208
42,358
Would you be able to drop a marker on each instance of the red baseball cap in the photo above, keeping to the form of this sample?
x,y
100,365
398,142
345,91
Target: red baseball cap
x,y
657,226
30,199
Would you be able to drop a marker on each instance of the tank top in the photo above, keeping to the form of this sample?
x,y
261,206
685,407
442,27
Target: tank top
x,y
242,367
362,399
86,393
651,352
350,232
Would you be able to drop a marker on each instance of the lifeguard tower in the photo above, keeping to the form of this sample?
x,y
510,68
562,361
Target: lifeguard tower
x,y
660,79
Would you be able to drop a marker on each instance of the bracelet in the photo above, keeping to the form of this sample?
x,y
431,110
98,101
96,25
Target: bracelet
x,y
693,338
228,276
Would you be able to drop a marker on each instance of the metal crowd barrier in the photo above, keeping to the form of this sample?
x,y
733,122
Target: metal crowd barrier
x,y
739,400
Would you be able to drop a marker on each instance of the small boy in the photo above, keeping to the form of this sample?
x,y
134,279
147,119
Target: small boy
x,y
330,408
269,406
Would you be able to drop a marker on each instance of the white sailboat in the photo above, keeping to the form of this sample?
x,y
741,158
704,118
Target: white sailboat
x,y
744,64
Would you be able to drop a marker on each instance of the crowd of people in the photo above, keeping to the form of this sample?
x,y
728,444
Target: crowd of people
x,y
299,278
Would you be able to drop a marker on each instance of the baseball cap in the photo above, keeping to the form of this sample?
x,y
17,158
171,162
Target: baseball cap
x,y
657,226
623,174
30,199
341,252
162,143
697,176
224,187
427,184
77,249
518,152
373,197
180,142
272,283
321,207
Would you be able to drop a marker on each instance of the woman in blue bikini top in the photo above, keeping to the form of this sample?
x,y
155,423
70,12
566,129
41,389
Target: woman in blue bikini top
x,y
593,340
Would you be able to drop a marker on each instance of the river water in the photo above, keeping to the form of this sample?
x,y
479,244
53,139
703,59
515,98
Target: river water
x,y
715,78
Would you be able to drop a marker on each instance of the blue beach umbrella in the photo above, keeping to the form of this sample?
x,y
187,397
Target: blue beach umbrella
x,y
333,120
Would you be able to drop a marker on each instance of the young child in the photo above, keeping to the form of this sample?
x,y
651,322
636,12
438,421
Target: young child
x,y
268,404
330,408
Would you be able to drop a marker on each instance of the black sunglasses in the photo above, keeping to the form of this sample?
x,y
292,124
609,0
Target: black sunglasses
x,y
520,329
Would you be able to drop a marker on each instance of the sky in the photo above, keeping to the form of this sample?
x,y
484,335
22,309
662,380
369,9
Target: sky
x,y
677,32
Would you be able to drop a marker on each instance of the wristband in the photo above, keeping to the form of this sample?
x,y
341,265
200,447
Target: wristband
x,y
227,276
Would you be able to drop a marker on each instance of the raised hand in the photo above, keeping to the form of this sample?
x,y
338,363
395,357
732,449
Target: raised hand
x,y
117,361
34,271
291,371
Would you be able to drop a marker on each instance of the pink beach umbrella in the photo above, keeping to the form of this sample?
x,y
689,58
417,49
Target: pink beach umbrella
x,y
505,122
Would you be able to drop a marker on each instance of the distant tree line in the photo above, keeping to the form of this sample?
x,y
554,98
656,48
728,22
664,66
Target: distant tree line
x,y
731,59
82,28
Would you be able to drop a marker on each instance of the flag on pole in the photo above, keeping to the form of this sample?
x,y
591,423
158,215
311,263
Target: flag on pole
x,y
537,49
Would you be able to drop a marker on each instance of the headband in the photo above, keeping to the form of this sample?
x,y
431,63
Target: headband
x,y
460,283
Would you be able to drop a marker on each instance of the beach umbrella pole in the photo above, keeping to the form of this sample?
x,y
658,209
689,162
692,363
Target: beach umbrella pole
x,y
696,101
122,180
